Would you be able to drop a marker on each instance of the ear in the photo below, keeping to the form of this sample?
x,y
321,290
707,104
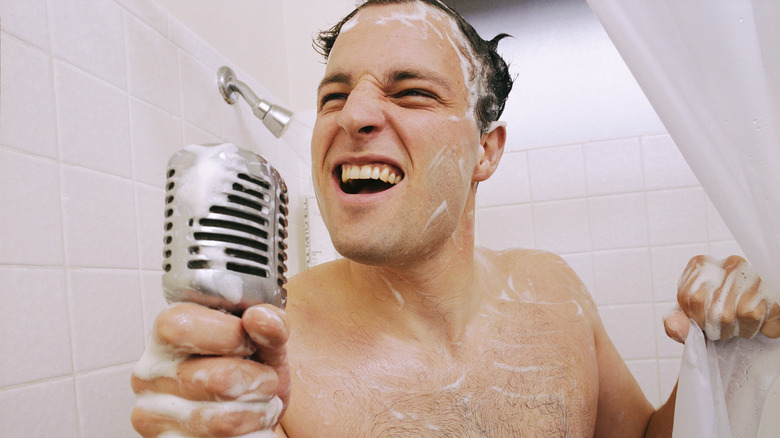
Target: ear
x,y
491,148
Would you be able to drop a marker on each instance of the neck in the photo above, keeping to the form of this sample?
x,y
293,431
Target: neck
x,y
433,295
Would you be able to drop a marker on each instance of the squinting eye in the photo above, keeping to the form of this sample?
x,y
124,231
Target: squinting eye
x,y
331,97
414,92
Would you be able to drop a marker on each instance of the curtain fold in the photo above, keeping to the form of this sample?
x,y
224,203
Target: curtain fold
x,y
711,70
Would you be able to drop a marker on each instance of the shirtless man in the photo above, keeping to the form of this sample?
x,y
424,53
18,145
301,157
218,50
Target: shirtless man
x,y
415,332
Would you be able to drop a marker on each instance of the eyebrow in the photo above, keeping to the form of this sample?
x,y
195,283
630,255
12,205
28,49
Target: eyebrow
x,y
392,77
335,78
402,75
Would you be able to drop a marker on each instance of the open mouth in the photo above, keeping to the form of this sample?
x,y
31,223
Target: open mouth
x,y
368,178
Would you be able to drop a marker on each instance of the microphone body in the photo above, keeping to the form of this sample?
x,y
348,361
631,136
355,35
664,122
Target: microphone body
x,y
225,225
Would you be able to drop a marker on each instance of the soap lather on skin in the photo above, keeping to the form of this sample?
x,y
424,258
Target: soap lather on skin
x,y
726,298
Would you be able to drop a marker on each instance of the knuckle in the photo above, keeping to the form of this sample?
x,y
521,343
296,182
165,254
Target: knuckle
x,y
733,262
237,381
728,317
146,424
228,422
753,314
173,325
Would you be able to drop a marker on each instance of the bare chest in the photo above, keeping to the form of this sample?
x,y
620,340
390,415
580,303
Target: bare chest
x,y
530,375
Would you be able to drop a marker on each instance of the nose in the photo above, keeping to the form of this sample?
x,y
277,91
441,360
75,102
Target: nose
x,y
362,114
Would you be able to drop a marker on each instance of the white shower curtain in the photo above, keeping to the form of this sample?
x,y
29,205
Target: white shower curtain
x,y
711,69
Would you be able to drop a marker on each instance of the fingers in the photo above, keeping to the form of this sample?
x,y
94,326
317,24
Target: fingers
x,y
215,379
196,378
751,311
155,414
677,325
189,328
695,286
771,328
726,298
267,326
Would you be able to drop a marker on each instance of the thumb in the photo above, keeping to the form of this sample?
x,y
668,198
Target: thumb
x,y
267,326
677,325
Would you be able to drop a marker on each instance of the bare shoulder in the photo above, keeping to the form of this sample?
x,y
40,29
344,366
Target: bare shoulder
x,y
545,274
305,285
311,298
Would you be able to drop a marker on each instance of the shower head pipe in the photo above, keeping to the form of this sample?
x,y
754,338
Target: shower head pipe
x,y
274,117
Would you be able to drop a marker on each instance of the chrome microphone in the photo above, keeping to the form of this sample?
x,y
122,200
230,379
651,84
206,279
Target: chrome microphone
x,y
225,225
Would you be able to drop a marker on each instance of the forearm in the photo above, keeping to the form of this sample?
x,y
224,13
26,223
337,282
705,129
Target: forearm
x,y
662,420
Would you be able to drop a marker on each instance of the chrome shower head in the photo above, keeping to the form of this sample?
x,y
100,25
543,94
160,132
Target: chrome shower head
x,y
274,117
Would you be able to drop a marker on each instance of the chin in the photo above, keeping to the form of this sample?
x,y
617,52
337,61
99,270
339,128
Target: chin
x,y
370,253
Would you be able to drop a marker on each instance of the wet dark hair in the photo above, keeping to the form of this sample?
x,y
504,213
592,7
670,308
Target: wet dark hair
x,y
490,68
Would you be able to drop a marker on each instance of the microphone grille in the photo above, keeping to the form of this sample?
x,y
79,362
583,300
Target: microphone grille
x,y
225,229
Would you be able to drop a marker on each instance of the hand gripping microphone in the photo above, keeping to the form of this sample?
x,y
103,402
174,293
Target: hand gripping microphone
x,y
225,225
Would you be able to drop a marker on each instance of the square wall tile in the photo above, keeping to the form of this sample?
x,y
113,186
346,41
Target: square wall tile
x,y
194,46
152,66
631,328
646,374
151,220
89,34
156,135
562,226
676,216
35,325
94,122
613,166
42,410
622,276
508,185
99,220
26,20
557,173
107,317
500,228
202,104
105,402
618,221
664,165
30,217
27,106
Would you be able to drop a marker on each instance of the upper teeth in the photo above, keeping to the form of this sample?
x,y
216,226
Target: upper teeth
x,y
369,171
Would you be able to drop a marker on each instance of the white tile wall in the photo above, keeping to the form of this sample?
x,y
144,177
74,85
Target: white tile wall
x,y
31,217
94,121
36,331
96,96
556,173
28,87
89,34
46,409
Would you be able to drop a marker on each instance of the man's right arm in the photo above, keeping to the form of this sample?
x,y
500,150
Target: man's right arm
x,y
206,372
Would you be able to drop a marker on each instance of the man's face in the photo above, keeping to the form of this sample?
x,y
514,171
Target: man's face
x,y
395,142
